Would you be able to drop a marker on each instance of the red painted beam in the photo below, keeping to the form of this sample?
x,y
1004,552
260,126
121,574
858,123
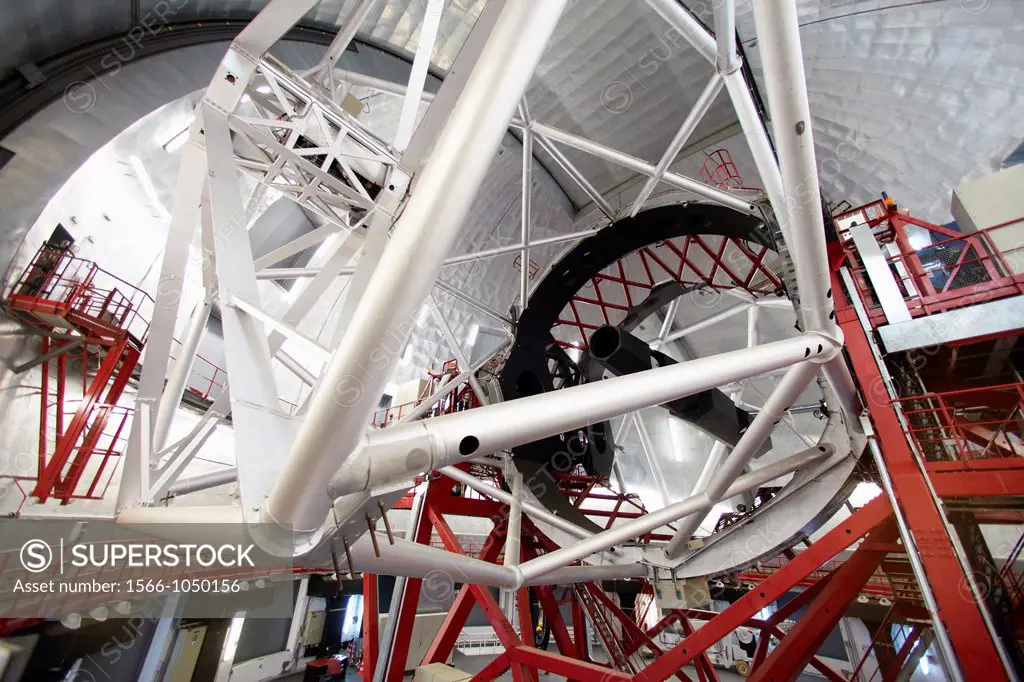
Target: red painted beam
x,y
797,648
448,634
705,671
51,480
407,614
859,524
492,611
546,596
963,617
569,668
1011,465
979,483
370,617
467,506
493,669
635,635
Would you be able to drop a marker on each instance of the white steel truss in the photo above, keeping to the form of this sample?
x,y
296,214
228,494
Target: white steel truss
x,y
287,131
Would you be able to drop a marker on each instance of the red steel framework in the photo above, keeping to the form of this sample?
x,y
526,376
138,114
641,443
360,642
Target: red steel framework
x,y
970,444
93,323
965,444
732,264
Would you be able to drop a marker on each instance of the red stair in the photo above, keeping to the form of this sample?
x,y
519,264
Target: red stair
x,y
93,322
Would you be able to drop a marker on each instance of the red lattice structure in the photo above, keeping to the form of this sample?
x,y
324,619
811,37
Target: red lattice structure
x,y
969,425
718,263
719,171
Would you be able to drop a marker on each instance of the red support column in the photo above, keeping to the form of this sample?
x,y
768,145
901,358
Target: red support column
x,y
566,667
370,635
444,641
962,617
525,618
797,648
635,636
705,670
791,607
546,596
493,669
839,538
492,611
410,600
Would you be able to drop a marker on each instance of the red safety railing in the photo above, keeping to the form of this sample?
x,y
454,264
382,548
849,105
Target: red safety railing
x,y
206,380
104,450
458,400
92,461
390,415
720,171
951,270
878,585
969,424
58,283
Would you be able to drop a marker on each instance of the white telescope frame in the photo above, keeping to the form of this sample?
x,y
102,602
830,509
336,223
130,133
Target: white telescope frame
x,y
320,473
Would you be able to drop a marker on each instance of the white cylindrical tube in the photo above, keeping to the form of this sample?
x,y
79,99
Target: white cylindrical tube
x,y
358,370
532,510
203,482
514,529
778,34
579,574
677,15
177,379
399,452
727,59
546,132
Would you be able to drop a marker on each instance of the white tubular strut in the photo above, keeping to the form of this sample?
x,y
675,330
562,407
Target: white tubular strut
x,y
624,532
358,370
398,453
788,390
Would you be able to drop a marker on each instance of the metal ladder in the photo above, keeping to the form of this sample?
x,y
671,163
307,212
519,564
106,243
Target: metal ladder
x,y
611,644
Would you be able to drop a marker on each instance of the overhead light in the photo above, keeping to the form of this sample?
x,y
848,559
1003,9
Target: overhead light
x,y
265,89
